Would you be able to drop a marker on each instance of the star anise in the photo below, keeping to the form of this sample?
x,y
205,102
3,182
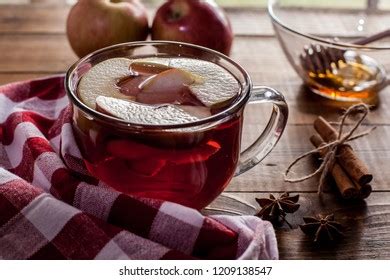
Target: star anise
x,y
322,228
273,209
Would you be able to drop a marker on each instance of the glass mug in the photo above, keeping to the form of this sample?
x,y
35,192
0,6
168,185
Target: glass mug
x,y
188,163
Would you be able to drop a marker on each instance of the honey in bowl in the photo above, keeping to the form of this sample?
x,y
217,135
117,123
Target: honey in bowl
x,y
187,166
357,79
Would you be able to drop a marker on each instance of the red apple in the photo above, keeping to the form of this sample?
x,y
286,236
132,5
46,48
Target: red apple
x,y
94,24
193,21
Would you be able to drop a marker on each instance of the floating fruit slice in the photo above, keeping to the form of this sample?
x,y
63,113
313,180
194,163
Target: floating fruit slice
x,y
129,85
141,113
101,80
157,80
200,112
182,95
140,71
219,87
171,79
170,86
153,59
148,67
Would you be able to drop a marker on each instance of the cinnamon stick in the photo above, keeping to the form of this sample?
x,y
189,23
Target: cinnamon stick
x,y
364,191
353,166
346,186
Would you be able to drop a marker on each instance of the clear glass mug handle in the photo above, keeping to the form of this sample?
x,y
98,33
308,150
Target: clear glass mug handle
x,y
272,132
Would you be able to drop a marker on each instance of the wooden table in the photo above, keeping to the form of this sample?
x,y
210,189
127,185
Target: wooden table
x,y
33,44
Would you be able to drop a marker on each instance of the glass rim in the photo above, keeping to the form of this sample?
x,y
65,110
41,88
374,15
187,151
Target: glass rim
x,y
234,107
275,19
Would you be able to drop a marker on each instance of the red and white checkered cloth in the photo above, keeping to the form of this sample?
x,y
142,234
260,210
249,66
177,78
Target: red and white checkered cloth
x,y
51,209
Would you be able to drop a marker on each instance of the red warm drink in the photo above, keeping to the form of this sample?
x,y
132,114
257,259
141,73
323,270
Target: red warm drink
x,y
190,165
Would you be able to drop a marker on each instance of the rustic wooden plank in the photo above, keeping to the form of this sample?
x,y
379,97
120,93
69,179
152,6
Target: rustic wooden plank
x,y
305,105
51,52
2,2
33,18
268,175
35,53
49,18
250,22
10,78
334,23
260,56
366,225
263,59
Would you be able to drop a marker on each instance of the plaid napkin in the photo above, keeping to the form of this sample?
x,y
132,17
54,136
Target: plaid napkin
x,y
50,208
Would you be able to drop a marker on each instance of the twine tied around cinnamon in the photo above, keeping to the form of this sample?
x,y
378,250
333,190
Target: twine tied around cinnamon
x,y
331,147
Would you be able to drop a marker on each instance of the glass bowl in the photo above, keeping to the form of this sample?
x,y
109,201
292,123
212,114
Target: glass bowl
x,y
319,40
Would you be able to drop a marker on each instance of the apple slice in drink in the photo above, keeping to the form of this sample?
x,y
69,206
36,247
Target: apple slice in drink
x,y
218,88
101,80
141,71
181,81
200,112
117,77
158,115
149,67
170,86
141,113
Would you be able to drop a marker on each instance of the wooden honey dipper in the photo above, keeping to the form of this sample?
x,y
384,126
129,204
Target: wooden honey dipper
x,y
319,59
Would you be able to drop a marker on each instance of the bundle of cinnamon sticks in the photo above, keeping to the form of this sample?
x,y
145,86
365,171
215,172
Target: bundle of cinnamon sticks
x,y
349,172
